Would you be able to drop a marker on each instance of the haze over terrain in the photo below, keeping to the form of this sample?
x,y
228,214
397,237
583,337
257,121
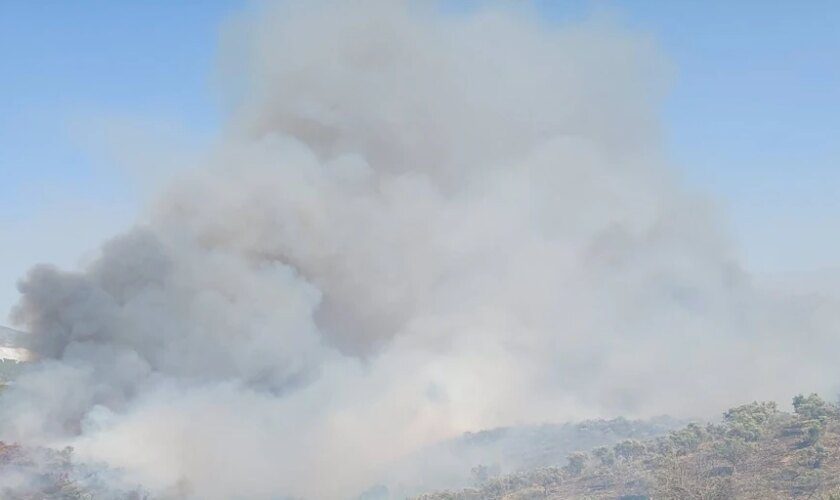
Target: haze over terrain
x,y
414,225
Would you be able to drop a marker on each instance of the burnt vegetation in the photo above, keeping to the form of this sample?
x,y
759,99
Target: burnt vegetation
x,y
756,451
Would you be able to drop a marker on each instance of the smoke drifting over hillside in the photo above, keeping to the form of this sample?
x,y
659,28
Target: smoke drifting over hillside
x,y
414,225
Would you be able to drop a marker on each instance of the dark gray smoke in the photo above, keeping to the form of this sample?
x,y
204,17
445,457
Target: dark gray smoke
x,y
414,225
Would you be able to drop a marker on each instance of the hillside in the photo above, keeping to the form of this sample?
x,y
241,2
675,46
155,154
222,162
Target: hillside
x,y
454,463
755,452
35,473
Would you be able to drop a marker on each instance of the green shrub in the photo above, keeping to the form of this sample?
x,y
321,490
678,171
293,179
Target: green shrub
x,y
577,462
812,407
688,439
732,449
749,421
812,434
605,455
629,449
815,456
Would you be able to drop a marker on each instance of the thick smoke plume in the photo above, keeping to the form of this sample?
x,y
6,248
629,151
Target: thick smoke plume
x,y
415,224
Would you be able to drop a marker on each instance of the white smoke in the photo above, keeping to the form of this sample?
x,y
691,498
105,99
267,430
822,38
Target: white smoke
x,y
415,225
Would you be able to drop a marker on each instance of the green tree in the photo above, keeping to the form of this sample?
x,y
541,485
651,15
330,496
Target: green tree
x,y
812,407
577,462
604,454
629,449
749,421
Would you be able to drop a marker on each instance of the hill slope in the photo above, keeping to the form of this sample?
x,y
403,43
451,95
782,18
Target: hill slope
x,y
756,452
457,462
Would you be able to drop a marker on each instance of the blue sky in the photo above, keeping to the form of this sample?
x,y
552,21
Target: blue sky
x,y
753,116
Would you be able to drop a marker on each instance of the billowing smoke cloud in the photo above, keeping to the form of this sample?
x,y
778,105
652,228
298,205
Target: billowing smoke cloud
x,y
416,224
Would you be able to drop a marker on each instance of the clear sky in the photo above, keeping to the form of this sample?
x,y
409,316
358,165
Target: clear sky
x,y
753,116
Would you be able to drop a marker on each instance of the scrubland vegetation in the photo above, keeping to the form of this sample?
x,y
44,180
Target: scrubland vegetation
x,y
755,452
